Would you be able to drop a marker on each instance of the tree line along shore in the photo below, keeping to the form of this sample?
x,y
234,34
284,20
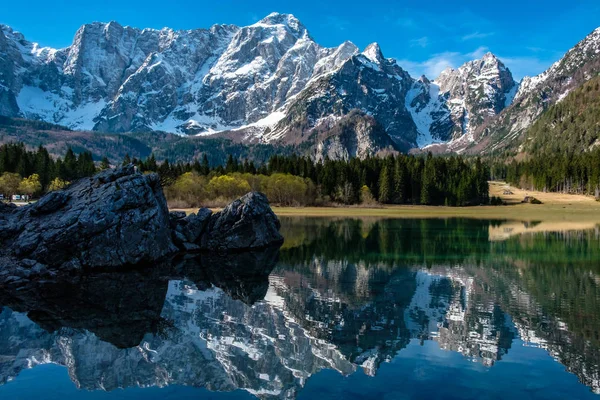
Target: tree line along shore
x,y
299,181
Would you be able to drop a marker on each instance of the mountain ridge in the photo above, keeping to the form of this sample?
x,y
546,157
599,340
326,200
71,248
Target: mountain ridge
x,y
268,82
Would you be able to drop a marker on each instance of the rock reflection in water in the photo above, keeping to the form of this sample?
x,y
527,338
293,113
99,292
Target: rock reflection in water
x,y
344,295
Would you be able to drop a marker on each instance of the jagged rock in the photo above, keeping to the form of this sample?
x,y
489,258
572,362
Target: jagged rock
x,y
476,91
354,135
115,218
247,223
196,224
187,230
368,82
51,202
6,208
175,217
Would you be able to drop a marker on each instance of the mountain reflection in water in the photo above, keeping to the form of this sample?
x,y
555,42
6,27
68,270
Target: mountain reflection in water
x,y
341,294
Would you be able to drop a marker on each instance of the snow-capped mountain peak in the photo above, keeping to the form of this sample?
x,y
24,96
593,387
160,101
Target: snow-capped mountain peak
x,y
373,52
287,21
475,92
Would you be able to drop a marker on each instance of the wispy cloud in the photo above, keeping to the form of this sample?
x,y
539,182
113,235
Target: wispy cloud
x,y
536,49
459,26
253,17
525,66
433,66
420,42
476,35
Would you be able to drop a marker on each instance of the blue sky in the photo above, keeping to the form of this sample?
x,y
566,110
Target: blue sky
x,y
424,36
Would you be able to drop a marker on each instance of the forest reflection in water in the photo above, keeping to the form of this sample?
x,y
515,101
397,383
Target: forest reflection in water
x,y
341,294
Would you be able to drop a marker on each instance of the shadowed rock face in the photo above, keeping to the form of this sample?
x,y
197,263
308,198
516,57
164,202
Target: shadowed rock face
x,y
115,218
247,223
119,218
120,307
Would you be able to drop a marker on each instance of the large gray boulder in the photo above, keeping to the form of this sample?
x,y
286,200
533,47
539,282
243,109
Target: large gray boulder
x,y
247,223
115,218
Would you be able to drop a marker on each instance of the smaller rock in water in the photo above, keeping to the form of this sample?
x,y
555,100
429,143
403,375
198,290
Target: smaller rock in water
x,y
187,230
196,224
247,223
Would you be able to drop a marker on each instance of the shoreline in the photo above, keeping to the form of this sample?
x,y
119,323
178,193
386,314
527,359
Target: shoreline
x,y
520,212
556,207
524,212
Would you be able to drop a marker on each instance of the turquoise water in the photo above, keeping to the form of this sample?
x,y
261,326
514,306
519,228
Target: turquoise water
x,y
376,309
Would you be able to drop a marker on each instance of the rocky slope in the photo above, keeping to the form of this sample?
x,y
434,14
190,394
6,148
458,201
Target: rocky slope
x,y
475,92
537,94
269,82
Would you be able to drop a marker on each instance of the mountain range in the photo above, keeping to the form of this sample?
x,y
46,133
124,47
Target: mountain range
x,y
271,83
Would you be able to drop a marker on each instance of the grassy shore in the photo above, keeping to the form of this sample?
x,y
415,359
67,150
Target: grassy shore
x,y
556,207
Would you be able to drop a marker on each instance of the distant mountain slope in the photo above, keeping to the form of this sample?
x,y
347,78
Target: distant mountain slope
x,y
57,139
570,126
537,94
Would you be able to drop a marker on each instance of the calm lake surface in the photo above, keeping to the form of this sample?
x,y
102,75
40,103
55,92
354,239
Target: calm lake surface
x,y
371,308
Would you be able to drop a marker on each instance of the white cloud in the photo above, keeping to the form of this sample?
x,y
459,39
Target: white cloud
x,y
406,22
476,35
526,66
433,66
420,42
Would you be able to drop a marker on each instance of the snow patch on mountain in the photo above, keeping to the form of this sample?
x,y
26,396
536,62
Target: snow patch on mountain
x,y
423,114
38,104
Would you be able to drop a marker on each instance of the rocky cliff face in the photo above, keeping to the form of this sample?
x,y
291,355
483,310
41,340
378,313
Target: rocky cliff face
x,y
118,79
476,92
367,82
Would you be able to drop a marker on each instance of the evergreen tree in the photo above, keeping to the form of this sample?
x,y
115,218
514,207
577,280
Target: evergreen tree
x,y
385,182
104,164
205,166
399,181
69,172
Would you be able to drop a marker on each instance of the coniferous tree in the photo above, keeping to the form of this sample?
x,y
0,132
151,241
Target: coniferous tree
x,y
69,166
385,182
399,181
104,164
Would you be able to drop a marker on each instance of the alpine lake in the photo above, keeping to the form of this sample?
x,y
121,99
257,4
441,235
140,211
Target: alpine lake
x,y
348,308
